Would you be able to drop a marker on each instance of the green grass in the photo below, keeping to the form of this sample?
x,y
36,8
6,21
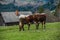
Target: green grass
x,y
52,32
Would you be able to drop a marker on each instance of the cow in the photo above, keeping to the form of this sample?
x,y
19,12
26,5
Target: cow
x,y
40,18
24,18
35,18
28,21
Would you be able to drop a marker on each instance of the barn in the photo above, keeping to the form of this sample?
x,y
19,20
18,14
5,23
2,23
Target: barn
x,y
9,18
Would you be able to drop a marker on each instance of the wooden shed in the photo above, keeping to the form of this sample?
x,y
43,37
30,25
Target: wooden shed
x,y
9,18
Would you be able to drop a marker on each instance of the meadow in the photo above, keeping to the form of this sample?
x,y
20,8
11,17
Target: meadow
x,y
52,32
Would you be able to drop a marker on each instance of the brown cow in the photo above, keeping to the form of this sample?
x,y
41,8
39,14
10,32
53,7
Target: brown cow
x,y
36,18
28,20
40,18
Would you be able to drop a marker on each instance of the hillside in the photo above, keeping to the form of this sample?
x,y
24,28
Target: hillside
x,y
28,5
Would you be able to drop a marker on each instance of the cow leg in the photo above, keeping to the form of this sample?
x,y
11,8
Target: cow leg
x,y
37,25
28,26
23,27
20,26
44,25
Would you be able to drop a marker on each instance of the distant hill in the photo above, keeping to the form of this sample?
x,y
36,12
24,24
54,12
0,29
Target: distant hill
x,y
49,4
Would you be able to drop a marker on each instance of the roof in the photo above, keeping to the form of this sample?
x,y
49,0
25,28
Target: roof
x,y
25,12
11,17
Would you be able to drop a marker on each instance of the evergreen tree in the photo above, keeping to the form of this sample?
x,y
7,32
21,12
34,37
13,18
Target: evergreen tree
x,y
57,9
40,9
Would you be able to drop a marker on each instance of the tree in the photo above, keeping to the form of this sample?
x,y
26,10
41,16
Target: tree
x,y
40,9
57,10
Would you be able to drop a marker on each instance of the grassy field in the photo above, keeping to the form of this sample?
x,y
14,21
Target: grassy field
x,y
52,32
